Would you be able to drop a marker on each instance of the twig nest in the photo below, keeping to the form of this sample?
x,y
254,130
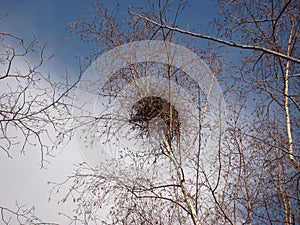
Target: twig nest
x,y
147,109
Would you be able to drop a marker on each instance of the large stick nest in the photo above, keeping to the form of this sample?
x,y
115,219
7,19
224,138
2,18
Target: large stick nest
x,y
151,107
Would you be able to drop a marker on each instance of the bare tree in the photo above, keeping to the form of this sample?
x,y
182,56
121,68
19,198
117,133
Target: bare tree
x,y
22,215
254,182
35,110
270,30
156,120
268,75
179,177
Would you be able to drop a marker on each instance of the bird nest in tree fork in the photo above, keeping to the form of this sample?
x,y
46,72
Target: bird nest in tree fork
x,y
147,109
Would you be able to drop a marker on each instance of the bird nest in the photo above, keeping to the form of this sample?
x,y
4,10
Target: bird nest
x,y
148,109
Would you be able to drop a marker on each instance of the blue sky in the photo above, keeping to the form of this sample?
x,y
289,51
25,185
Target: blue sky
x,y
21,177
48,20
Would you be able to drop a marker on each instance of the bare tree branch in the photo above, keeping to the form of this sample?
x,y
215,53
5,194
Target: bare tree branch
x,y
218,40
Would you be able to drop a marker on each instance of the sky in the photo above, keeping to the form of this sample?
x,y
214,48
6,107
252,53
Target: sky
x,y
21,177
48,19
